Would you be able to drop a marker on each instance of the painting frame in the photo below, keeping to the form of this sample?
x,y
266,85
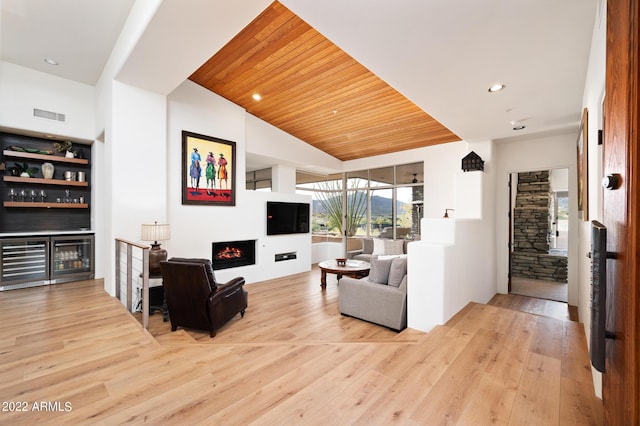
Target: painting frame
x,y
582,147
202,185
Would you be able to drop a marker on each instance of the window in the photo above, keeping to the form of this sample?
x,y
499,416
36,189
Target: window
x,y
381,219
385,202
384,176
561,223
259,180
326,202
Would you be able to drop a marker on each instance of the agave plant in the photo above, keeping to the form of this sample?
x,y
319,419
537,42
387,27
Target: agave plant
x,y
330,198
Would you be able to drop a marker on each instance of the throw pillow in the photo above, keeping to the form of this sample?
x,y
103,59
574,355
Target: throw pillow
x,y
378,246
397,271
367,246
393,247
379,272
390,256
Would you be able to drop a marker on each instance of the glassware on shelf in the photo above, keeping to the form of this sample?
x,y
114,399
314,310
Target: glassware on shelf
x,y
33,195
12,193
23,194
43,195
67,198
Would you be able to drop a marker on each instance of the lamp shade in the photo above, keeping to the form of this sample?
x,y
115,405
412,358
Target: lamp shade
x,y
155,232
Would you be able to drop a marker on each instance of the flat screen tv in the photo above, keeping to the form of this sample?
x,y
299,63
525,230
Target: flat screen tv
x,y
288,218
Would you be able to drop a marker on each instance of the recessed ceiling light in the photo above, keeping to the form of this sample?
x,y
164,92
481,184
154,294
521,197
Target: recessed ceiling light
x,y
516,125
51,61
496,88
256,97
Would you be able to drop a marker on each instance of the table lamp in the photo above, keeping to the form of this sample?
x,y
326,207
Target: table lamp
x,y
155,232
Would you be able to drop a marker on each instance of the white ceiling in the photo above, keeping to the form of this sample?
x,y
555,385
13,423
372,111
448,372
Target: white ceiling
x,y
440,54
79,34
444,55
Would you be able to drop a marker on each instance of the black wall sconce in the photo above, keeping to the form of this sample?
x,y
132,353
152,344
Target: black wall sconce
x,y
472,162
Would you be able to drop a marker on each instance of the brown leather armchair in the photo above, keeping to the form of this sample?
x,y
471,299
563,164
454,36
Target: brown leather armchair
x,y
194,298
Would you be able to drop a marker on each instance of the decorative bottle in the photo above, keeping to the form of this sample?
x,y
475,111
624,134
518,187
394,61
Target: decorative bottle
x,y
47,170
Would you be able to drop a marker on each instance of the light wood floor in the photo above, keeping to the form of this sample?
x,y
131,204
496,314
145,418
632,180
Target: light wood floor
x,y
293,359
541,289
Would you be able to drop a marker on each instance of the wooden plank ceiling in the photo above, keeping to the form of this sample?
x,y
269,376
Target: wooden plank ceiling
x,y
313,90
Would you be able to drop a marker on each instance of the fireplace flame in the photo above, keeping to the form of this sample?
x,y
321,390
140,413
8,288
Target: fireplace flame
x,y
229,253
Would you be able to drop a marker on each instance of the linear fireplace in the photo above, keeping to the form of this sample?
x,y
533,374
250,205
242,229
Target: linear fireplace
x,y
231,254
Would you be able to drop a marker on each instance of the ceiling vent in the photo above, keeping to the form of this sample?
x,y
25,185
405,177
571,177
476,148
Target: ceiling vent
x,y
49,115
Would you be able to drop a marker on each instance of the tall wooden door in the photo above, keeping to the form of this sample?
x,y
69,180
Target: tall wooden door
x,y
621,389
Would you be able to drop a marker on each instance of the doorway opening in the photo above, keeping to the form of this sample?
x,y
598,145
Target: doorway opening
x,y
539,225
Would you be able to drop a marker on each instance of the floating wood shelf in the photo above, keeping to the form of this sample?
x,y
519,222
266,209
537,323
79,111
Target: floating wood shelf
x,y
43,157
36,204
44,181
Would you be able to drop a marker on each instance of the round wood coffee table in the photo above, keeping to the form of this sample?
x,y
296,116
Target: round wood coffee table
x,y
352,268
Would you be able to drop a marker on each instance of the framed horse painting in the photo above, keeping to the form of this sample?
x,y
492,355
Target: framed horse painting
x,y
208,170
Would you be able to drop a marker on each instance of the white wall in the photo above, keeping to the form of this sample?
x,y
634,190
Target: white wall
x,y
559,179
194,227
283,178
592,99
543,153
135,166
478,252
269,142
179,36
111,100
23,89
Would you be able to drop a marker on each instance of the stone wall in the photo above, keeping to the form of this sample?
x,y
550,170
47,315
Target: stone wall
x,y
538,266
531,227
417,193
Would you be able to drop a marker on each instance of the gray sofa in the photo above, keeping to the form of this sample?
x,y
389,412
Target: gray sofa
x,y
380,298
384,247
400,232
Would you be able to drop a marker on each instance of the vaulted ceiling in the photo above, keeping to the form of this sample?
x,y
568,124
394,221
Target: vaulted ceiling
x,y
440,55
313,90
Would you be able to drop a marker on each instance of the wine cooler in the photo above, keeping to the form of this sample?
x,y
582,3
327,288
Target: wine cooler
x,y
33,261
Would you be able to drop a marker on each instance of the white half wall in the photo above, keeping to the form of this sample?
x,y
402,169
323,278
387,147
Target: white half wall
x,y
326,250
452,266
